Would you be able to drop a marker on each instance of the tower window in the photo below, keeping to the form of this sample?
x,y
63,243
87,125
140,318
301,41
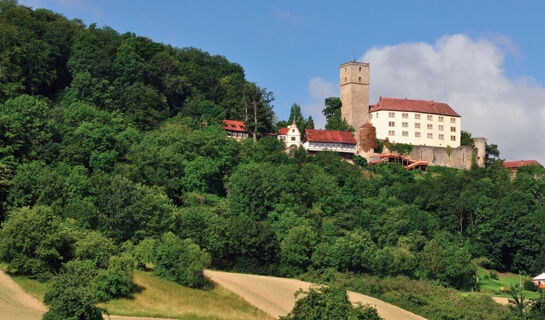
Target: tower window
x,y
345,79
360,68
359,79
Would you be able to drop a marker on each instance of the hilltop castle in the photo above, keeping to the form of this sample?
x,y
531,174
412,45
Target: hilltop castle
x,y
433,128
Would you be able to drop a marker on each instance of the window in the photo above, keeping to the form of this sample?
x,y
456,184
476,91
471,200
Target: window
x,y
441,128
345,79
430,126
452,138
405,133
452,120
359,79
417,125
417,116
452,129
430,117
440,119
430,135
405,115
292,130
391,114
376,116
391,124
441,137
292,138
417,134
360,68
405,124
391,133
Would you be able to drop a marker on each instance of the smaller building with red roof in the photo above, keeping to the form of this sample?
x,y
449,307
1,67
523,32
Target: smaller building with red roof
x,y
235,129
515,165
342,142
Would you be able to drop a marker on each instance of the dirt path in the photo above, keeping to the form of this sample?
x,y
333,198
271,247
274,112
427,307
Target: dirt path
x,y
15,304
501,300
276,295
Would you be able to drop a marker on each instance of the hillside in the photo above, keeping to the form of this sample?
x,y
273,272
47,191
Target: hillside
x,y
112,161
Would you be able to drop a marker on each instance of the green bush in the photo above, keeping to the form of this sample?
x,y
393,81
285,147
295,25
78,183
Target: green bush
x,y
144,252
493,275
329,303
35,241
360,161
111,283
530,286
71,303
96,247
181,261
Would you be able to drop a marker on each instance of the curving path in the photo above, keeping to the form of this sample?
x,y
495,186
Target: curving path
x,y
276,295
15,304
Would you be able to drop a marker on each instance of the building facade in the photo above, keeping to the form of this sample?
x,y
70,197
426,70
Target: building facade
x,y
342,142
417,122
291,136
235,129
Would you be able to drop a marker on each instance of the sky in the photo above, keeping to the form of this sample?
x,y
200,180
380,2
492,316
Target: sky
x,y
483,58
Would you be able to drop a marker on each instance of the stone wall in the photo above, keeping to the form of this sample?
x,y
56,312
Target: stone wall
x,y
460,157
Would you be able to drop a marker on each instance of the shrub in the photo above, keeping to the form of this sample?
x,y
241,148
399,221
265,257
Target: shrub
x,y
493,274
530,286
71,303
329,303
181,261
96,247
111,283
144,252
360,161
35,241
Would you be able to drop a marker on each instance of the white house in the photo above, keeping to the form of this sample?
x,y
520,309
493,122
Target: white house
x,y
416,122
291,136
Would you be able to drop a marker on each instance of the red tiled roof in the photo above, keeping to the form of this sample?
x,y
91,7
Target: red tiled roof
x,y
283,131
329,136
234,125
520,163
423,106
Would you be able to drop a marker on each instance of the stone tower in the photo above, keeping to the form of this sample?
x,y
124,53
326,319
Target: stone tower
x,y
354,80
480,151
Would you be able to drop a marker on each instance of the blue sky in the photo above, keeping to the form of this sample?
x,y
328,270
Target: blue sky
x,y
294,48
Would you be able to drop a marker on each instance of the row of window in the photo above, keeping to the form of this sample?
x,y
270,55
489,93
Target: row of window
x,y
392,133
405,115
417,126
331,145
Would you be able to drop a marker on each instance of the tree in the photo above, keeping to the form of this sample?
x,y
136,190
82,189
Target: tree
x,y
181,261
492,154
329,303
309,123
466,139
297,116
332,112
35,242
258,110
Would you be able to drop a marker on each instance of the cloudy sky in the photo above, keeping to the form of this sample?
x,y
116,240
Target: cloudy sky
x,y
484,58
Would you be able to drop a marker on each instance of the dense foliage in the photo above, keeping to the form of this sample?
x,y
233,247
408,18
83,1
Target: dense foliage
x,y
111,157
328,303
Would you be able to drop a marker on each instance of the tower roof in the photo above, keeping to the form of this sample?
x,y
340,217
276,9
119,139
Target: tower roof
x,y
422,106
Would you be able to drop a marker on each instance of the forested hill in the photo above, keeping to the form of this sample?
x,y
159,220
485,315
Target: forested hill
x,y
111,158
45,55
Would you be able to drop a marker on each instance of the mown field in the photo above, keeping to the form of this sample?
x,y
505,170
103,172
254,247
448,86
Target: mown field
x,y
157,297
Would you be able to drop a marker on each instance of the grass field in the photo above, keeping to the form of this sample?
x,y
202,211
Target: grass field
x,y
162,298
157,297
493,287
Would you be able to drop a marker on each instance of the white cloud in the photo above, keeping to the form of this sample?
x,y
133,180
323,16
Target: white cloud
x,y
318,90
468,75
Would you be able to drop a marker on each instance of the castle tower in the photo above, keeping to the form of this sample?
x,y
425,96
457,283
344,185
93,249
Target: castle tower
x,y
354,80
